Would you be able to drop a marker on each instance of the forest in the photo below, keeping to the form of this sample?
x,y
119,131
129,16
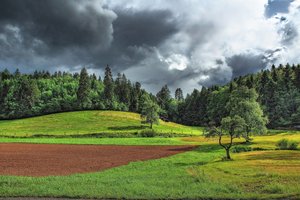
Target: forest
x,y
274,93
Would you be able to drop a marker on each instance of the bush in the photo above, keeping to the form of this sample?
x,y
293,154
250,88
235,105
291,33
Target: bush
x,y
148,133
241,148
285,144
282,144
293,145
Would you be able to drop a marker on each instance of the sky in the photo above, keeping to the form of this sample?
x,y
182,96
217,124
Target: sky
x,y
181,43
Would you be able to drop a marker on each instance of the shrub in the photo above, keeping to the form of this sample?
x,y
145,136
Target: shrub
x,y
241,148
148,133
258,149
282,144
285,144
293,145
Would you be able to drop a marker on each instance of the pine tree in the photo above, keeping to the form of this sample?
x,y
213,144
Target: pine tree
x,y
179,94
25,96
17,73
163,97
274,74
297,77
83,89
108,86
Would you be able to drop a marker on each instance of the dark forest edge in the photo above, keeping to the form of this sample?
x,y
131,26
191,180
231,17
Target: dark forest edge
x,y
25,95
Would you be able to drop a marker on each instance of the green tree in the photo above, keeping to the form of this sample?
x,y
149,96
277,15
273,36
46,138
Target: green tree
x,y
163,97
231,127
150,111
83,89
297,77
26,94
108,86
217,101
179,94
243,102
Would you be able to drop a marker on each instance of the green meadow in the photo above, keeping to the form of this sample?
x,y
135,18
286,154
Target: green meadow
x,y
109,123
262,173
197,174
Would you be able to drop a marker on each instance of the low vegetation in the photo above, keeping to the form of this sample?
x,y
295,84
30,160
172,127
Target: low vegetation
x,y
285,144
201,174
89,123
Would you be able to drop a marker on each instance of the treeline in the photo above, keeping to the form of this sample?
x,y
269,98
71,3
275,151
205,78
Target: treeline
x,y
278,94
24,95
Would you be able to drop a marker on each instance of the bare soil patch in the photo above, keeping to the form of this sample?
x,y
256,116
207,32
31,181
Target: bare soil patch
x,y
60,160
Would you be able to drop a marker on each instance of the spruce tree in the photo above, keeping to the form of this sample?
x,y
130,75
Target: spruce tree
x,y
83,89
297,77
163,97
108,87
179,94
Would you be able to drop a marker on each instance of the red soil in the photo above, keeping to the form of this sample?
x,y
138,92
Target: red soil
x,y
57,160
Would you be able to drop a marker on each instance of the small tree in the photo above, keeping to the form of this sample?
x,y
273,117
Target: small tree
x,y
150,109
230,126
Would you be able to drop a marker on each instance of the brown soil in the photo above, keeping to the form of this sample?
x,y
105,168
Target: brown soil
x,y
57,160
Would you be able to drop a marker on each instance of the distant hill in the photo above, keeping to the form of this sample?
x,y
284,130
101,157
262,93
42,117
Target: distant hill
x,y
109,123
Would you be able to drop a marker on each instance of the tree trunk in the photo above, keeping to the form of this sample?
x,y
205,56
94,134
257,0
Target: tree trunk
x,y
151,124
247,138
228,154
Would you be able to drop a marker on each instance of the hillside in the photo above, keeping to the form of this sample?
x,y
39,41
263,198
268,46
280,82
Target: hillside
x,y
87,122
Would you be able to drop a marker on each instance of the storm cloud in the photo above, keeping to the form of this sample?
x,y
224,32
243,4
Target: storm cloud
x,y
185,44
53,32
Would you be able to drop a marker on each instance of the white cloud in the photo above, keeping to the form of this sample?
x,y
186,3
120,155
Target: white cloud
x,y
291,25
211,31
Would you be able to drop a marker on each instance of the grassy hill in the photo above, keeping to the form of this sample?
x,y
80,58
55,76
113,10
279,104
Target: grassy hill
x,y
88,122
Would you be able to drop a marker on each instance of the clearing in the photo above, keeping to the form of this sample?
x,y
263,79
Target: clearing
x,y
107,123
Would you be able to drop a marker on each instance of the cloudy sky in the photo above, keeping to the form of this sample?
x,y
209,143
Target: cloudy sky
x,y
182,43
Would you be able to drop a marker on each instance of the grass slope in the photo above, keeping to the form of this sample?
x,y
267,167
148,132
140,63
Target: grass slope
x,y
87,122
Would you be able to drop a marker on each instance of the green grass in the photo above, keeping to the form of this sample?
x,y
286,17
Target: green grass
x,y
196,174
88,122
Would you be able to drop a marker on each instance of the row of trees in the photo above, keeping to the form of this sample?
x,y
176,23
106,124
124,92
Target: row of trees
x,y
276,91
23,95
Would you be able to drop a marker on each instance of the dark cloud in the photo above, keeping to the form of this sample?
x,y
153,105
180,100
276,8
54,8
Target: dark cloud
x,y
243,64
48,33
277,6
143,27
136,33
216,76
55,28
180,44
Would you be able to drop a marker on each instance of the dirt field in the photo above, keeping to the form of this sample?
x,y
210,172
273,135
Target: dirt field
x,y
52,159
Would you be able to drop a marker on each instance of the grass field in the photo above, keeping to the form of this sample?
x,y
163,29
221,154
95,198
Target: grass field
x,y
198,174
88,122
269,174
